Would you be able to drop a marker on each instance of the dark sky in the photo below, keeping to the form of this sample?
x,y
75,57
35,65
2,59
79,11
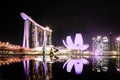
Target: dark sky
x,y
67,17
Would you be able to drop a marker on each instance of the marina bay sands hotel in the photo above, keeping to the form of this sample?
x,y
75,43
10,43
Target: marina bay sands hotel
x,y
35,35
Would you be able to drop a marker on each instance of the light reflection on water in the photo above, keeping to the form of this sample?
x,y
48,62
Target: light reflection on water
x,y
103,67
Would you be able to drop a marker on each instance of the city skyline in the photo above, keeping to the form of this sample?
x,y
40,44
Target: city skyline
x,y
91,18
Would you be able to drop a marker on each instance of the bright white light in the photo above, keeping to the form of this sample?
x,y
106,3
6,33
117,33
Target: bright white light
x,y
118,39
47,48
39,59
38,48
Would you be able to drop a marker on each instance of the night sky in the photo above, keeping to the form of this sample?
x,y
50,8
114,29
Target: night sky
x,y
67,17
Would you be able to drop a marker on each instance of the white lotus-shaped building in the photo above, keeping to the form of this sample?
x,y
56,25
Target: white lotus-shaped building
x,y
76,45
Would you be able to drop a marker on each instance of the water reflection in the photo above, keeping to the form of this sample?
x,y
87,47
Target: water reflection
x,y
105,63
99,67
76,63
118,64
99,63
108,65
37,70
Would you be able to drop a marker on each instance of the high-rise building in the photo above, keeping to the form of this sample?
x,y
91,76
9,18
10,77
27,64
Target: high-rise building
x,y
117,43
99,45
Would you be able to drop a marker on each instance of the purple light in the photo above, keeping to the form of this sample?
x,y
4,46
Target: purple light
x,y
69,42
78,42
85,61
36,66
96,53
45,38
45,68
78,67
24,16
70,65
26,67
77,63
24,64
